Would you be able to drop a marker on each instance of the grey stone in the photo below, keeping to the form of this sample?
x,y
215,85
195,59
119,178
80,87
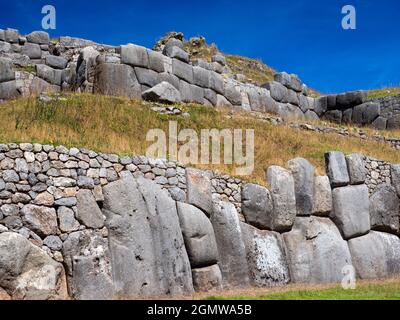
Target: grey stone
x,y
170,78
53,242
11,35
350,99
146,76
219,58
48,74
322,205
6,70
231,248
56,62
68,202
393,122
211,96
198,235
257,206
173,42
32,50
27,272
380,123
5,47
134,55
8,90
351,210
201,77
88,212
311,115
199,189
336,168
316,251
182,70
41,220
321,105
222,101
10,176
385,210
303,174
356,168
87,258
366,113
145,240
163,92
266,257
116,79
216,83
156,61
207,279
176,53
335,116
281,184
395,172
177,194
278,91
347,116
67,221
39,37
232,94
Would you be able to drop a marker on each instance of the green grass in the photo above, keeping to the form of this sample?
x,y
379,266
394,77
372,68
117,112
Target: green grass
x,y
382,93
30,69
387,291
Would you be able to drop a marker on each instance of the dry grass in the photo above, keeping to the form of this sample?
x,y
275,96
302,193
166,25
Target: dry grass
x,y
117,125
382,93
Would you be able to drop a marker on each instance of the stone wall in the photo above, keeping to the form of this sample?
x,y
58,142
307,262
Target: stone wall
x,y
168,76
86,225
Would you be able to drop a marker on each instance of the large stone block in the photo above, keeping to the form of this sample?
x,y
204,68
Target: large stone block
x,y
48,74
163,92
5,47
336,168
88,212
41,220
231,248
393,122
56,62
117,80
156,61
376,255
207,279
8,90
87,259
350,99
282,190
6,70
257,206
32,50
27,272
395,170
232,94
351,210
216,83
201,77
321,105
182,70
316,252
366,113
39,37
266,257
170,78
147,77
322,205
385,210
199,189
175,52
278,91
147,250
198,235
11,35
356,168
335,116
135,56
303,173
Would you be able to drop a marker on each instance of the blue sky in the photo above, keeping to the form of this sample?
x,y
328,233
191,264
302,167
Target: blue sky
x,y
303,37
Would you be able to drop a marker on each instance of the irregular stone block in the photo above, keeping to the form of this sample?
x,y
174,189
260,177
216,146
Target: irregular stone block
x,y
41,220
283,196
257,206
88,212
48,74
266,257
321,105
316,252
8,90
278,91
6,70
39,37
322,196
380,123
182,70
336,168
219,58
27,272
393,122
170,78
175,52
201,77
156,61
385,210
5,47
335,116
216,83
351,210
347,116
32,50
303,173
231,248
56,62
356,168
350,99
117,80
198,185
366,113
311,115
87,259
11,35
147,250
135,56
198,235
211,96
163,92
147,77
222,101
395,171
232,94
207,279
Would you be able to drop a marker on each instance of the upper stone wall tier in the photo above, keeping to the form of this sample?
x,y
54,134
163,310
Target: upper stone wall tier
x,y
168,76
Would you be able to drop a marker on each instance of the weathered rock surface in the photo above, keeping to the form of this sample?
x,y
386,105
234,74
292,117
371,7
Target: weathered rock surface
x,y
207,279
283,196
385,210
351,210
231,248
198,235
257,206
356,168
27,272
322,204
199,190
88,212
316,252
303,173
163,92
266,257
41,220
145,240
336,169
